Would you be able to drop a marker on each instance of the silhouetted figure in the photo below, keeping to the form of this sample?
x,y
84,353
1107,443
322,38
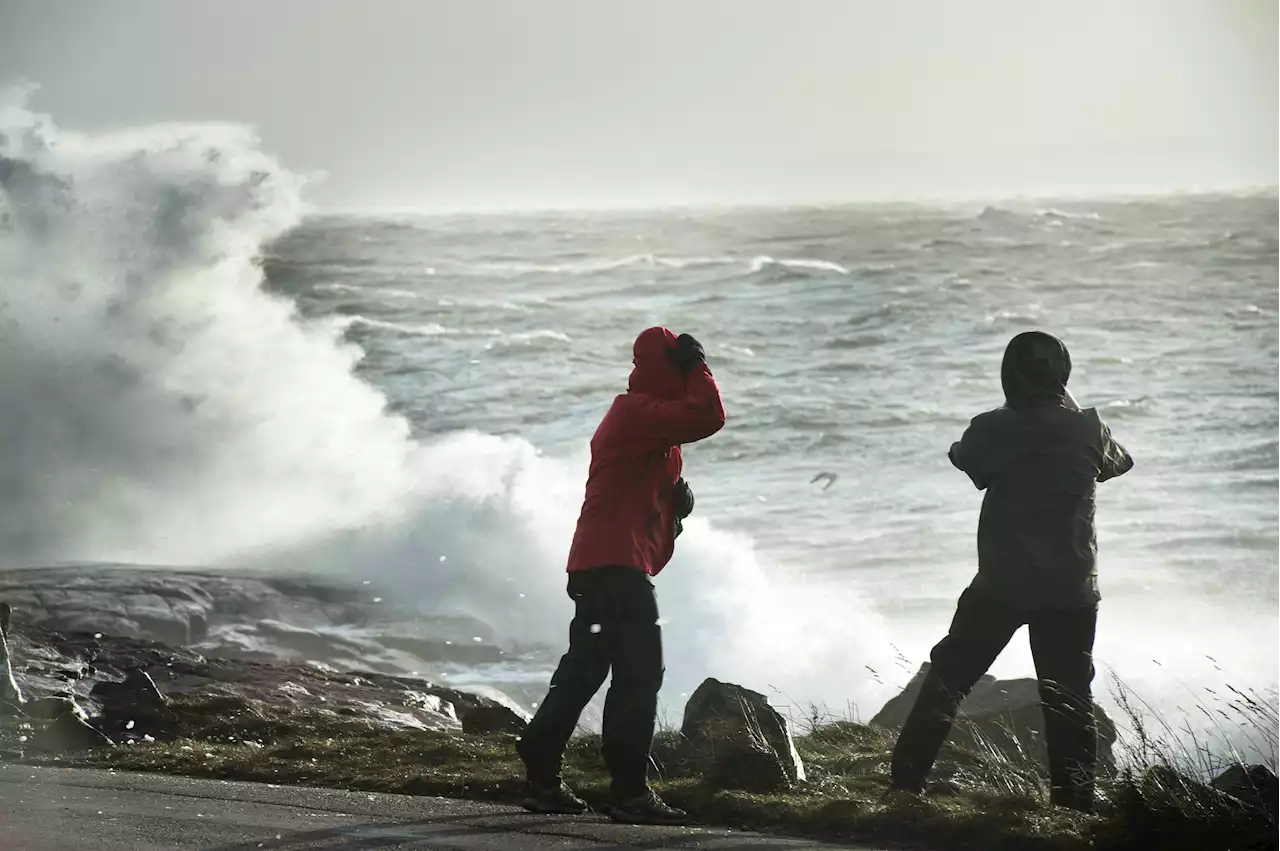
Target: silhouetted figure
x,y
1039,458
631,515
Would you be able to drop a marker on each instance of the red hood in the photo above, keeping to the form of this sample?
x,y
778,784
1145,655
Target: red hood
x,y
655,373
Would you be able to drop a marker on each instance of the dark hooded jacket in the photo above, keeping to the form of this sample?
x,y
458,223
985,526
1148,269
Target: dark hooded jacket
x,y
628,515
1039,459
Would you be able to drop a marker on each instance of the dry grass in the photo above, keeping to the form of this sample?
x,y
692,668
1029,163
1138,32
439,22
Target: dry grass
x,y
847,765
981,798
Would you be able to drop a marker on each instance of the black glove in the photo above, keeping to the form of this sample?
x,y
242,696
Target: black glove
x,y
688,353
682,499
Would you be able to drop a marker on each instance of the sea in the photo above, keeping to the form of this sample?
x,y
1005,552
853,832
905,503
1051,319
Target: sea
x,y
199,368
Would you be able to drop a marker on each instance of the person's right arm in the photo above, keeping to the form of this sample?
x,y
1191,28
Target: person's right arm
x,y
697,416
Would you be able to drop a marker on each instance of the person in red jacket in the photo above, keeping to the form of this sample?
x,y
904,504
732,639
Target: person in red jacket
x,y
631,515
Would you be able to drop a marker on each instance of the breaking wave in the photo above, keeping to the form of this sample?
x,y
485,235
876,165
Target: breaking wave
x,y
162,407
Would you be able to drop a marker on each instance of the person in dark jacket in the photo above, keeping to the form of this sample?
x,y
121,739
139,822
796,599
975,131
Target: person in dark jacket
x,y
1039,459
631,515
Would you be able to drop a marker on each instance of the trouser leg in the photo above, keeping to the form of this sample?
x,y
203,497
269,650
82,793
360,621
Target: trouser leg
x,y
1062,646
581,672
980,629
634,640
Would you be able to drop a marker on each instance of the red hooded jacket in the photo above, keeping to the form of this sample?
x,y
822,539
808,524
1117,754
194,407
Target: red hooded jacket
x,y
627,516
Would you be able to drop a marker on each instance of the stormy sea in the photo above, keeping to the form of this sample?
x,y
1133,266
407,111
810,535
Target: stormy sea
x,y
239,423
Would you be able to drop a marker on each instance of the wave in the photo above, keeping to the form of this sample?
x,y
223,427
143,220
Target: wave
x,y
995,213
579,267
1125,408
429,330
759,264
1051,213
163,407
531,339
490,304
652,261
366,291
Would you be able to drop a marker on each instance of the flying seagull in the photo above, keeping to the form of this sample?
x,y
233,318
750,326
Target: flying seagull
x,y
830,478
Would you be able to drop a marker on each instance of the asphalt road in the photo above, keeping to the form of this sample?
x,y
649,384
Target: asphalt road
x,y
56,809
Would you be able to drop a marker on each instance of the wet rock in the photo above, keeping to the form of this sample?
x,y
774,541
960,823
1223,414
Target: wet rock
x,y
247,616
135,707
11,697
50,708
1004,714
1255,785
69,732
482,720
432,704
147,687
739,740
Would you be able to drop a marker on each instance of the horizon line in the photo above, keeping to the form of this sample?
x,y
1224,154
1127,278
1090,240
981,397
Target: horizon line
x,y
934,202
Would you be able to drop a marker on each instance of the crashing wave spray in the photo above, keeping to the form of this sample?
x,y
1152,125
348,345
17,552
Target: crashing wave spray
x,y
162,407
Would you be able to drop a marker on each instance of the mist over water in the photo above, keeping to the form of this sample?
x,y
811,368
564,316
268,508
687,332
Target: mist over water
x,y
407,402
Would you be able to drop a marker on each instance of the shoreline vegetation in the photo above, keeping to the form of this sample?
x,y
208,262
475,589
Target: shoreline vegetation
x,y
218,718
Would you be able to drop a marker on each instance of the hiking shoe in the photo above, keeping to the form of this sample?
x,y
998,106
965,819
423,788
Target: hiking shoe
x,y
1080,800
647,809
543,798
897,796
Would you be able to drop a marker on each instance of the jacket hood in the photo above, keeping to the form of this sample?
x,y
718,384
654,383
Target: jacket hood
x,y
1035,370
655,372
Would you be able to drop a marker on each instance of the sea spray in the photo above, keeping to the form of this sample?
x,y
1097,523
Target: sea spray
x,y
165,408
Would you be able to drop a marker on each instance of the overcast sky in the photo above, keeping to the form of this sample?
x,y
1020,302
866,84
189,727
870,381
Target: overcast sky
x,y
475,103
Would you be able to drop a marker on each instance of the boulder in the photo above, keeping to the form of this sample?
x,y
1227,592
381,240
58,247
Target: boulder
x,y
484,719
739,740
1255,785
135,707
69,732
51,708
11,698
1004,714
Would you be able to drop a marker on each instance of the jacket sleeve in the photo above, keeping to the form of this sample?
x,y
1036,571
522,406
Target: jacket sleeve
x,y
1116,460
971,454
697,416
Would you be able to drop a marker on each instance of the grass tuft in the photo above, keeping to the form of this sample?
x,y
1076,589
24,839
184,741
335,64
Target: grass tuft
x,y
981,798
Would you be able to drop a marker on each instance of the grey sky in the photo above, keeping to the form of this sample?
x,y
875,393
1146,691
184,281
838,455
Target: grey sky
x,y
418,103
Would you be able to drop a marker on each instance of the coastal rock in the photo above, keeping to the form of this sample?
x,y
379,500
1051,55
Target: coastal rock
x,y
1255,785
69,732
51,708
135,707
740,741
1004,714
11,697
146,683
482,720
247,616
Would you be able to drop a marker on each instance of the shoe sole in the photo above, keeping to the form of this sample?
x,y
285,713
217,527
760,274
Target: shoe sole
x,y
624,818
533,807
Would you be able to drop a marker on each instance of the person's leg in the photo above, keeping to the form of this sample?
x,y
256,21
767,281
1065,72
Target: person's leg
x,y
1062,646
980,629
634,638
581,672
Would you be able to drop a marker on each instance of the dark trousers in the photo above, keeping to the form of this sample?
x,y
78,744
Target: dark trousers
x,y
615,626
1062,646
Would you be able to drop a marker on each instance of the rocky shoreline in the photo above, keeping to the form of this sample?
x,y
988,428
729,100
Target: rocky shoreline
x,y
81,685
100,650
